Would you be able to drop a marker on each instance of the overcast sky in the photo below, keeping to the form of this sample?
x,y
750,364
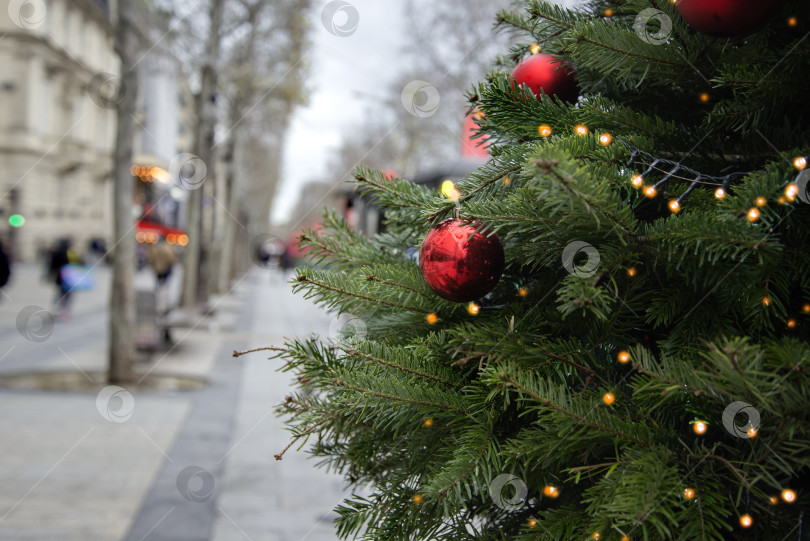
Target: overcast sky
x,y
346,72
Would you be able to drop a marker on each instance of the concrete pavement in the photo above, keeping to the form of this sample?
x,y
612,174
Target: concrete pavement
x,y
151,465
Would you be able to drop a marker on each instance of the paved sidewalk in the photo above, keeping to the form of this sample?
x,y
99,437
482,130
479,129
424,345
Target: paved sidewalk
x,y
265,499
82,466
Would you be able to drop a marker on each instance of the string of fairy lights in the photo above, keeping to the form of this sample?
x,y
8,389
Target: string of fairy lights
x,y
700,428
675,170
669,170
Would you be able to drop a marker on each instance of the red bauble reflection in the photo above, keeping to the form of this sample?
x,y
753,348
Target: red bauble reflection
x,y
547,72
459,264
726,17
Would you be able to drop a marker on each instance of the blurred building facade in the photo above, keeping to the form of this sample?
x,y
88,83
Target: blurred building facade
x,y
59,77
55,142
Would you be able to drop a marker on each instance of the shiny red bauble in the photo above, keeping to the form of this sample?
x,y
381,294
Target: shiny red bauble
x,y
460,264
725,18
547,72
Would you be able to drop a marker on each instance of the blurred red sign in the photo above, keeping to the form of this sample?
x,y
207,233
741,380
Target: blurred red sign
x,y
471,146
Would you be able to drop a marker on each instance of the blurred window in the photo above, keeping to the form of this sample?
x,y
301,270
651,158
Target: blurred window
x,y
78,108
44,110
101,128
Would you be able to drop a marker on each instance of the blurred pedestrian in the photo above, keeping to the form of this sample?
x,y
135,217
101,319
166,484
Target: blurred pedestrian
x,y
161,258
285,262
263,255
97,250
61,256
5,266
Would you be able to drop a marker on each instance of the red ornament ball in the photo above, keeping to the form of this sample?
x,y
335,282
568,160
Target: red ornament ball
x,y
725,18
547,72
460,264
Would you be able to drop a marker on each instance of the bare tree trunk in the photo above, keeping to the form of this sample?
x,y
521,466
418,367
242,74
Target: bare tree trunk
x,y
121,355
226,261
241,259
205,111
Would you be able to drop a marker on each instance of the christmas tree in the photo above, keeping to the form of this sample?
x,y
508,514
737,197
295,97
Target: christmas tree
x,y
640,368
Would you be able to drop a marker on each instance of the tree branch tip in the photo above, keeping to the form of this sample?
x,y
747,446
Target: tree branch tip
x,y
266,348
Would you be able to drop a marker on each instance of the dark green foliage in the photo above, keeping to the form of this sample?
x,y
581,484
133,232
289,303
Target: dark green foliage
x,y
429,415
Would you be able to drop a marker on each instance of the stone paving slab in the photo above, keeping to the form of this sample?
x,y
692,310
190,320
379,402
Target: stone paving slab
x,y
69,470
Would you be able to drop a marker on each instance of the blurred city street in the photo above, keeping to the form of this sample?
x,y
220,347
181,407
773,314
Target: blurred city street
x,y
190,464
564,243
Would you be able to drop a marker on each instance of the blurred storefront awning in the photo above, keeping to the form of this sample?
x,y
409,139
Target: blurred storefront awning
x,y
150,232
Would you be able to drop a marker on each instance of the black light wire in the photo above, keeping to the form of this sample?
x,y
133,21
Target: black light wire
x,y
669,168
